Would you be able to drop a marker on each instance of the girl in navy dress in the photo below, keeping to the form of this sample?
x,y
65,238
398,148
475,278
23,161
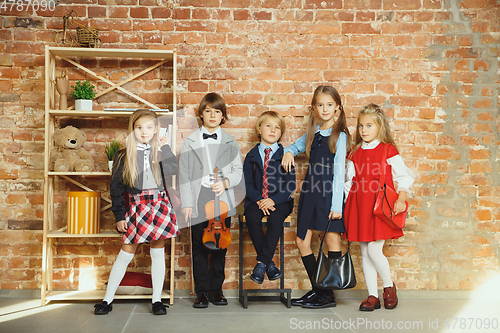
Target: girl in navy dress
x,y
372,135
322,195
140,204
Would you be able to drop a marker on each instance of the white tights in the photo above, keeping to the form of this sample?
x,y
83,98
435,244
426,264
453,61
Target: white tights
x,y
374,261
117,274
120,267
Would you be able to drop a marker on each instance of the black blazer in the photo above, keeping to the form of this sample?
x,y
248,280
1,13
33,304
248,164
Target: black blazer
x,y
117,188
281,183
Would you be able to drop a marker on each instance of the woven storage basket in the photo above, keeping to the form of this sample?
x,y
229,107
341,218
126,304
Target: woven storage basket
x,y
87,35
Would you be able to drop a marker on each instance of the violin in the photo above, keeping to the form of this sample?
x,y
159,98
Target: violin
x,y
216,236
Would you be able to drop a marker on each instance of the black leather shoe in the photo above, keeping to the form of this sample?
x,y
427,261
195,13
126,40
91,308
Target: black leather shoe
x,y
273,273
102,308
320,302
306,298
201,300
159,308
258,272
218,297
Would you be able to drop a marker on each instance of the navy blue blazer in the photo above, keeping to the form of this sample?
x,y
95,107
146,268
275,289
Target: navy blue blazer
x,y
281,183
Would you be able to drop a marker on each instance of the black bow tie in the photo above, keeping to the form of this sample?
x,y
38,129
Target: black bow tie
x,y
206,136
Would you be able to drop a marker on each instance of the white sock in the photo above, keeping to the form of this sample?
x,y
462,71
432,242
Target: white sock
x,y
117,273
369,270
157,272
380,261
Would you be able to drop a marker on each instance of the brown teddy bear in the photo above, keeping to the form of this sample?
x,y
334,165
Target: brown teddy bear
x,y
68,154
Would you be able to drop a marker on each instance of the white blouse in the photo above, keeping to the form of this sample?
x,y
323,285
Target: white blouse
x,y
401,174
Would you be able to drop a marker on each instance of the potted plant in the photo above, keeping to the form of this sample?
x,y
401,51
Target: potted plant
x,y
83,93
111,149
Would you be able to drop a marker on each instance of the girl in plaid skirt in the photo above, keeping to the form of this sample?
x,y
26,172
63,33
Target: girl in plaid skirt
x,y
141,205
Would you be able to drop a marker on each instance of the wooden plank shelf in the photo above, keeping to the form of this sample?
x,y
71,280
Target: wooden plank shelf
x,y
64,234
93,173
111,53
74,113
97,294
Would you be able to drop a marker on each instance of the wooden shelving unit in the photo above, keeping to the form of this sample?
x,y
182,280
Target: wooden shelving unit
x,y
50,234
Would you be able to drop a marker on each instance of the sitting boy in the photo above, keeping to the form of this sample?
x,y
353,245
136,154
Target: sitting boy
x,y
268,192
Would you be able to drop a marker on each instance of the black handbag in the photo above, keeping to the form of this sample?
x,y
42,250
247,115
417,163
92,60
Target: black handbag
x,y
334,274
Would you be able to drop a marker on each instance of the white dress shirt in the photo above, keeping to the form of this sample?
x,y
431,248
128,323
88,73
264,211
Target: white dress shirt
x,y
210,149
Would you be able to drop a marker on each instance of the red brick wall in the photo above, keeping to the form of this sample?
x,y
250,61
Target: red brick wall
x,y
432,64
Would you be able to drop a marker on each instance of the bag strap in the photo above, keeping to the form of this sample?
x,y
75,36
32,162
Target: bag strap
x,y
381,180
324,236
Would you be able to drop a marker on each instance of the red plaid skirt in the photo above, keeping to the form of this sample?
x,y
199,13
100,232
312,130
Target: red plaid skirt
x,y
150,217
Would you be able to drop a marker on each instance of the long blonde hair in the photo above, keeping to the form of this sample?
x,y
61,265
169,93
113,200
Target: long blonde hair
x,y
130,172
380,119
338,127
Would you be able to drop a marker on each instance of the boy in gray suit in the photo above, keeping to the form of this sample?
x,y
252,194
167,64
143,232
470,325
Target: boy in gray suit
x,y
203,151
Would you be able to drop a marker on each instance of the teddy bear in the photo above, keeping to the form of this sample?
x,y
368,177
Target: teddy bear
x,y
68,154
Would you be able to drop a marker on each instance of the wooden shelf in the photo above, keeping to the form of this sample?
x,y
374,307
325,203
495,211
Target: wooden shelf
x,y
76,295
93,173
166,58
73,113
64,234
113,53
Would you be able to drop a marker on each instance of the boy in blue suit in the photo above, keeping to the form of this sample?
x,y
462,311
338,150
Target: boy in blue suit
x,y
268,192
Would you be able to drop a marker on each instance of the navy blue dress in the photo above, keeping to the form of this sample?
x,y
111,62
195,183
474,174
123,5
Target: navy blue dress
x,y
317,190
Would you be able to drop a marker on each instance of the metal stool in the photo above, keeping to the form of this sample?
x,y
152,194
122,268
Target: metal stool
x,y
244,296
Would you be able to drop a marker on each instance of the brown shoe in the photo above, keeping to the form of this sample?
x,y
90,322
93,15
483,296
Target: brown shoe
x,y
390,297
370,304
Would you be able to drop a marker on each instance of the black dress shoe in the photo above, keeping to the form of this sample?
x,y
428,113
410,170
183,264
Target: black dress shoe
x,y
320,302
102,308
218,297
258,272
307,297
201,300
273,273
159,308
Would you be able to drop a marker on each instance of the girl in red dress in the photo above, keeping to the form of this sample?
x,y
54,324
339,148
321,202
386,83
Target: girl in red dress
x,y
372,134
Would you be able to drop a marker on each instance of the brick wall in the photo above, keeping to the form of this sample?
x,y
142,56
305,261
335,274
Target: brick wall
x,y
432,64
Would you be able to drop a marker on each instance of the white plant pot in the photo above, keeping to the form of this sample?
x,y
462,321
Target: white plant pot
x,y
110,166
83,105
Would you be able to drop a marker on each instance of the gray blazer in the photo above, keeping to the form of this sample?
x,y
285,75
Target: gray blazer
x,y
191,161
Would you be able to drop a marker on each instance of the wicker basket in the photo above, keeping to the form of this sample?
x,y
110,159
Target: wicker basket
x,y
87,35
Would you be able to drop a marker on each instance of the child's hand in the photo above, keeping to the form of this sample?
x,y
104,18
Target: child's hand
x,y
187,212
218,187
121,226
334,215
399,206
163,141
266,206
287,161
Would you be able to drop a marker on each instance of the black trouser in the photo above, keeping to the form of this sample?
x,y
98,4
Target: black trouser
x,y
265,243
208,275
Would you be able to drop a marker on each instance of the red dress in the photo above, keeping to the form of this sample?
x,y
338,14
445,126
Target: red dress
x,y
361,224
